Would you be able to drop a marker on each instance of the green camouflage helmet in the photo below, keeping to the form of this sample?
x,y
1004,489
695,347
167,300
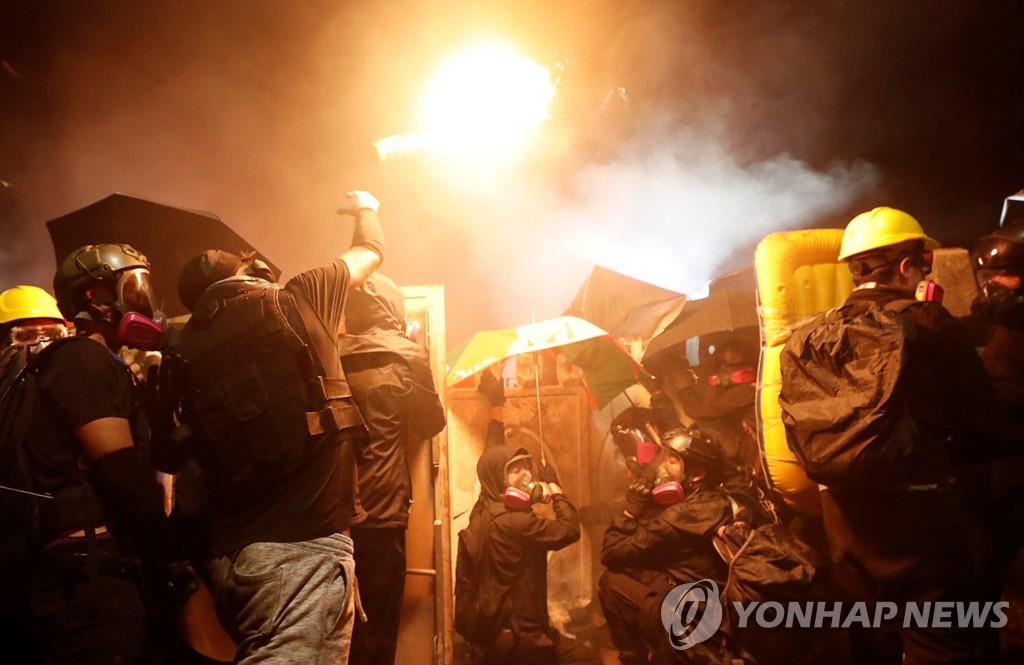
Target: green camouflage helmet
x,y
92,263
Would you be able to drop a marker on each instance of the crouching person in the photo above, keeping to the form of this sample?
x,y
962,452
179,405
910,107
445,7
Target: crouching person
x,y
501,590
662,540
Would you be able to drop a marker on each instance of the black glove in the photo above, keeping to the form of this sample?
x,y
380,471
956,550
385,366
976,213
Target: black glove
x,y
638,495
492,388
547,474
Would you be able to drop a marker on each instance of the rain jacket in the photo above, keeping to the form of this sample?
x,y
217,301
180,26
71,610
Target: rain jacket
x,y
673,545
391,382
1004,359
519,540
903,545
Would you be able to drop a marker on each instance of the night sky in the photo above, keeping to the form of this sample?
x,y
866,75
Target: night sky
x,y
682,132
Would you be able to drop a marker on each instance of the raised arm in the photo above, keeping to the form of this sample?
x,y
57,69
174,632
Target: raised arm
x,y
367,250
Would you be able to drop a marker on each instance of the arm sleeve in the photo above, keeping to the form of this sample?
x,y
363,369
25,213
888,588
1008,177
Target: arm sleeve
x,y
85,383
627,543
547,534
326,289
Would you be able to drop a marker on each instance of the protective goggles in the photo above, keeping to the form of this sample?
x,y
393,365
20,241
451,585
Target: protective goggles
x,y
922,259
34,334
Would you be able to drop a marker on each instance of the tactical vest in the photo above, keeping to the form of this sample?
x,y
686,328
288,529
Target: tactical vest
x,y
262,378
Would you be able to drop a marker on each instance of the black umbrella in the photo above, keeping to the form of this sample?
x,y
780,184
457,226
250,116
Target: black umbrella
x,y
168,236
722,311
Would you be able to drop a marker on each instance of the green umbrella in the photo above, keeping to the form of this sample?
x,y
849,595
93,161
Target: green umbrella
x,y
609,368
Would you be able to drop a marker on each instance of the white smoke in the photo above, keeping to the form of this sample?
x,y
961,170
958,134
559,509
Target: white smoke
x,y
671,210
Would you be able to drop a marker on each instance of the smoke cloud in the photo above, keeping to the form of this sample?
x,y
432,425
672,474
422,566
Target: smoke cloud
x,y
742,120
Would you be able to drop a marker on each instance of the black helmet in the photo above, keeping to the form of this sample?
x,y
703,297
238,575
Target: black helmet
x,y
696,448
1002,249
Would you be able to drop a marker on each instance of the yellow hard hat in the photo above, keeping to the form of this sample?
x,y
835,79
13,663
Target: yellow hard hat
x,y
878,228
27,302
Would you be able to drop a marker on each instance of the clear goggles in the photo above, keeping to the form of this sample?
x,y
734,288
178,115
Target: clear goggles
x,y
30,335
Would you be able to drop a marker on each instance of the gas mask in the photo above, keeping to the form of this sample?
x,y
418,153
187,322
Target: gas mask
x,y
994,299
141,323
929,291
522,490
666,473
635,446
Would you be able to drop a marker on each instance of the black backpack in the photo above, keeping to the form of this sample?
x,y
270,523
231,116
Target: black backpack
x,y
21,506
476,606
844,395
767,563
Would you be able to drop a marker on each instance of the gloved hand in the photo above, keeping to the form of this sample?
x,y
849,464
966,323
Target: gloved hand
x,y
358,200
638,495
547,474
492,388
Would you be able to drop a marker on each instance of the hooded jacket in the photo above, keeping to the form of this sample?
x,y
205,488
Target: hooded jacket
x,y
919,549
393,386
515,577
671,545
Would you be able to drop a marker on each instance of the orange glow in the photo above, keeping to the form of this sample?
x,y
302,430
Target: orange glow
x,y
484,103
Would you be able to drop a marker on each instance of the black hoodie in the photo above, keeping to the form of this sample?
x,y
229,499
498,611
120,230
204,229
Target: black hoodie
x,y
392,383
519,541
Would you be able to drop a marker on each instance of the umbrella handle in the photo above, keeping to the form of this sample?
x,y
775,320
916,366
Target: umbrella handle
x,y
540,419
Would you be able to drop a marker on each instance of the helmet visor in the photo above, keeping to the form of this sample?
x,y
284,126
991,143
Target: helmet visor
x,y
135,294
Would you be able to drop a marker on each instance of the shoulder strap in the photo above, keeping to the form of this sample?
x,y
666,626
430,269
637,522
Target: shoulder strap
x,y
900,305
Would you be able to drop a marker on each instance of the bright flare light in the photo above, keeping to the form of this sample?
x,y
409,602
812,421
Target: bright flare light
x,y
484,102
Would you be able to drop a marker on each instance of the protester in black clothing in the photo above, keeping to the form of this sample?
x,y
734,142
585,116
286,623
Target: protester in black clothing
x,y
511,563
721,397
392,383
84,447
998,261
662,540
911,537
270,419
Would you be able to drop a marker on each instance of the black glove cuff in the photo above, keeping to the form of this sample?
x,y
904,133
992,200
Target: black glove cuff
x,y
133,501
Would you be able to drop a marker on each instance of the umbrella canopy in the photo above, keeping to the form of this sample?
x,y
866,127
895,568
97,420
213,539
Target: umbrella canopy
x,y
608,298
168,236
609,368
722,311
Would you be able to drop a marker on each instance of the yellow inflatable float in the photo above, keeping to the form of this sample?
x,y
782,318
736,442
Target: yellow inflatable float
x,y
798,276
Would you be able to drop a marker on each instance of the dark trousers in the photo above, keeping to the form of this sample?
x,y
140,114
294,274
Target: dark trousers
x,y
380,571
84,613
633,611
535,648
